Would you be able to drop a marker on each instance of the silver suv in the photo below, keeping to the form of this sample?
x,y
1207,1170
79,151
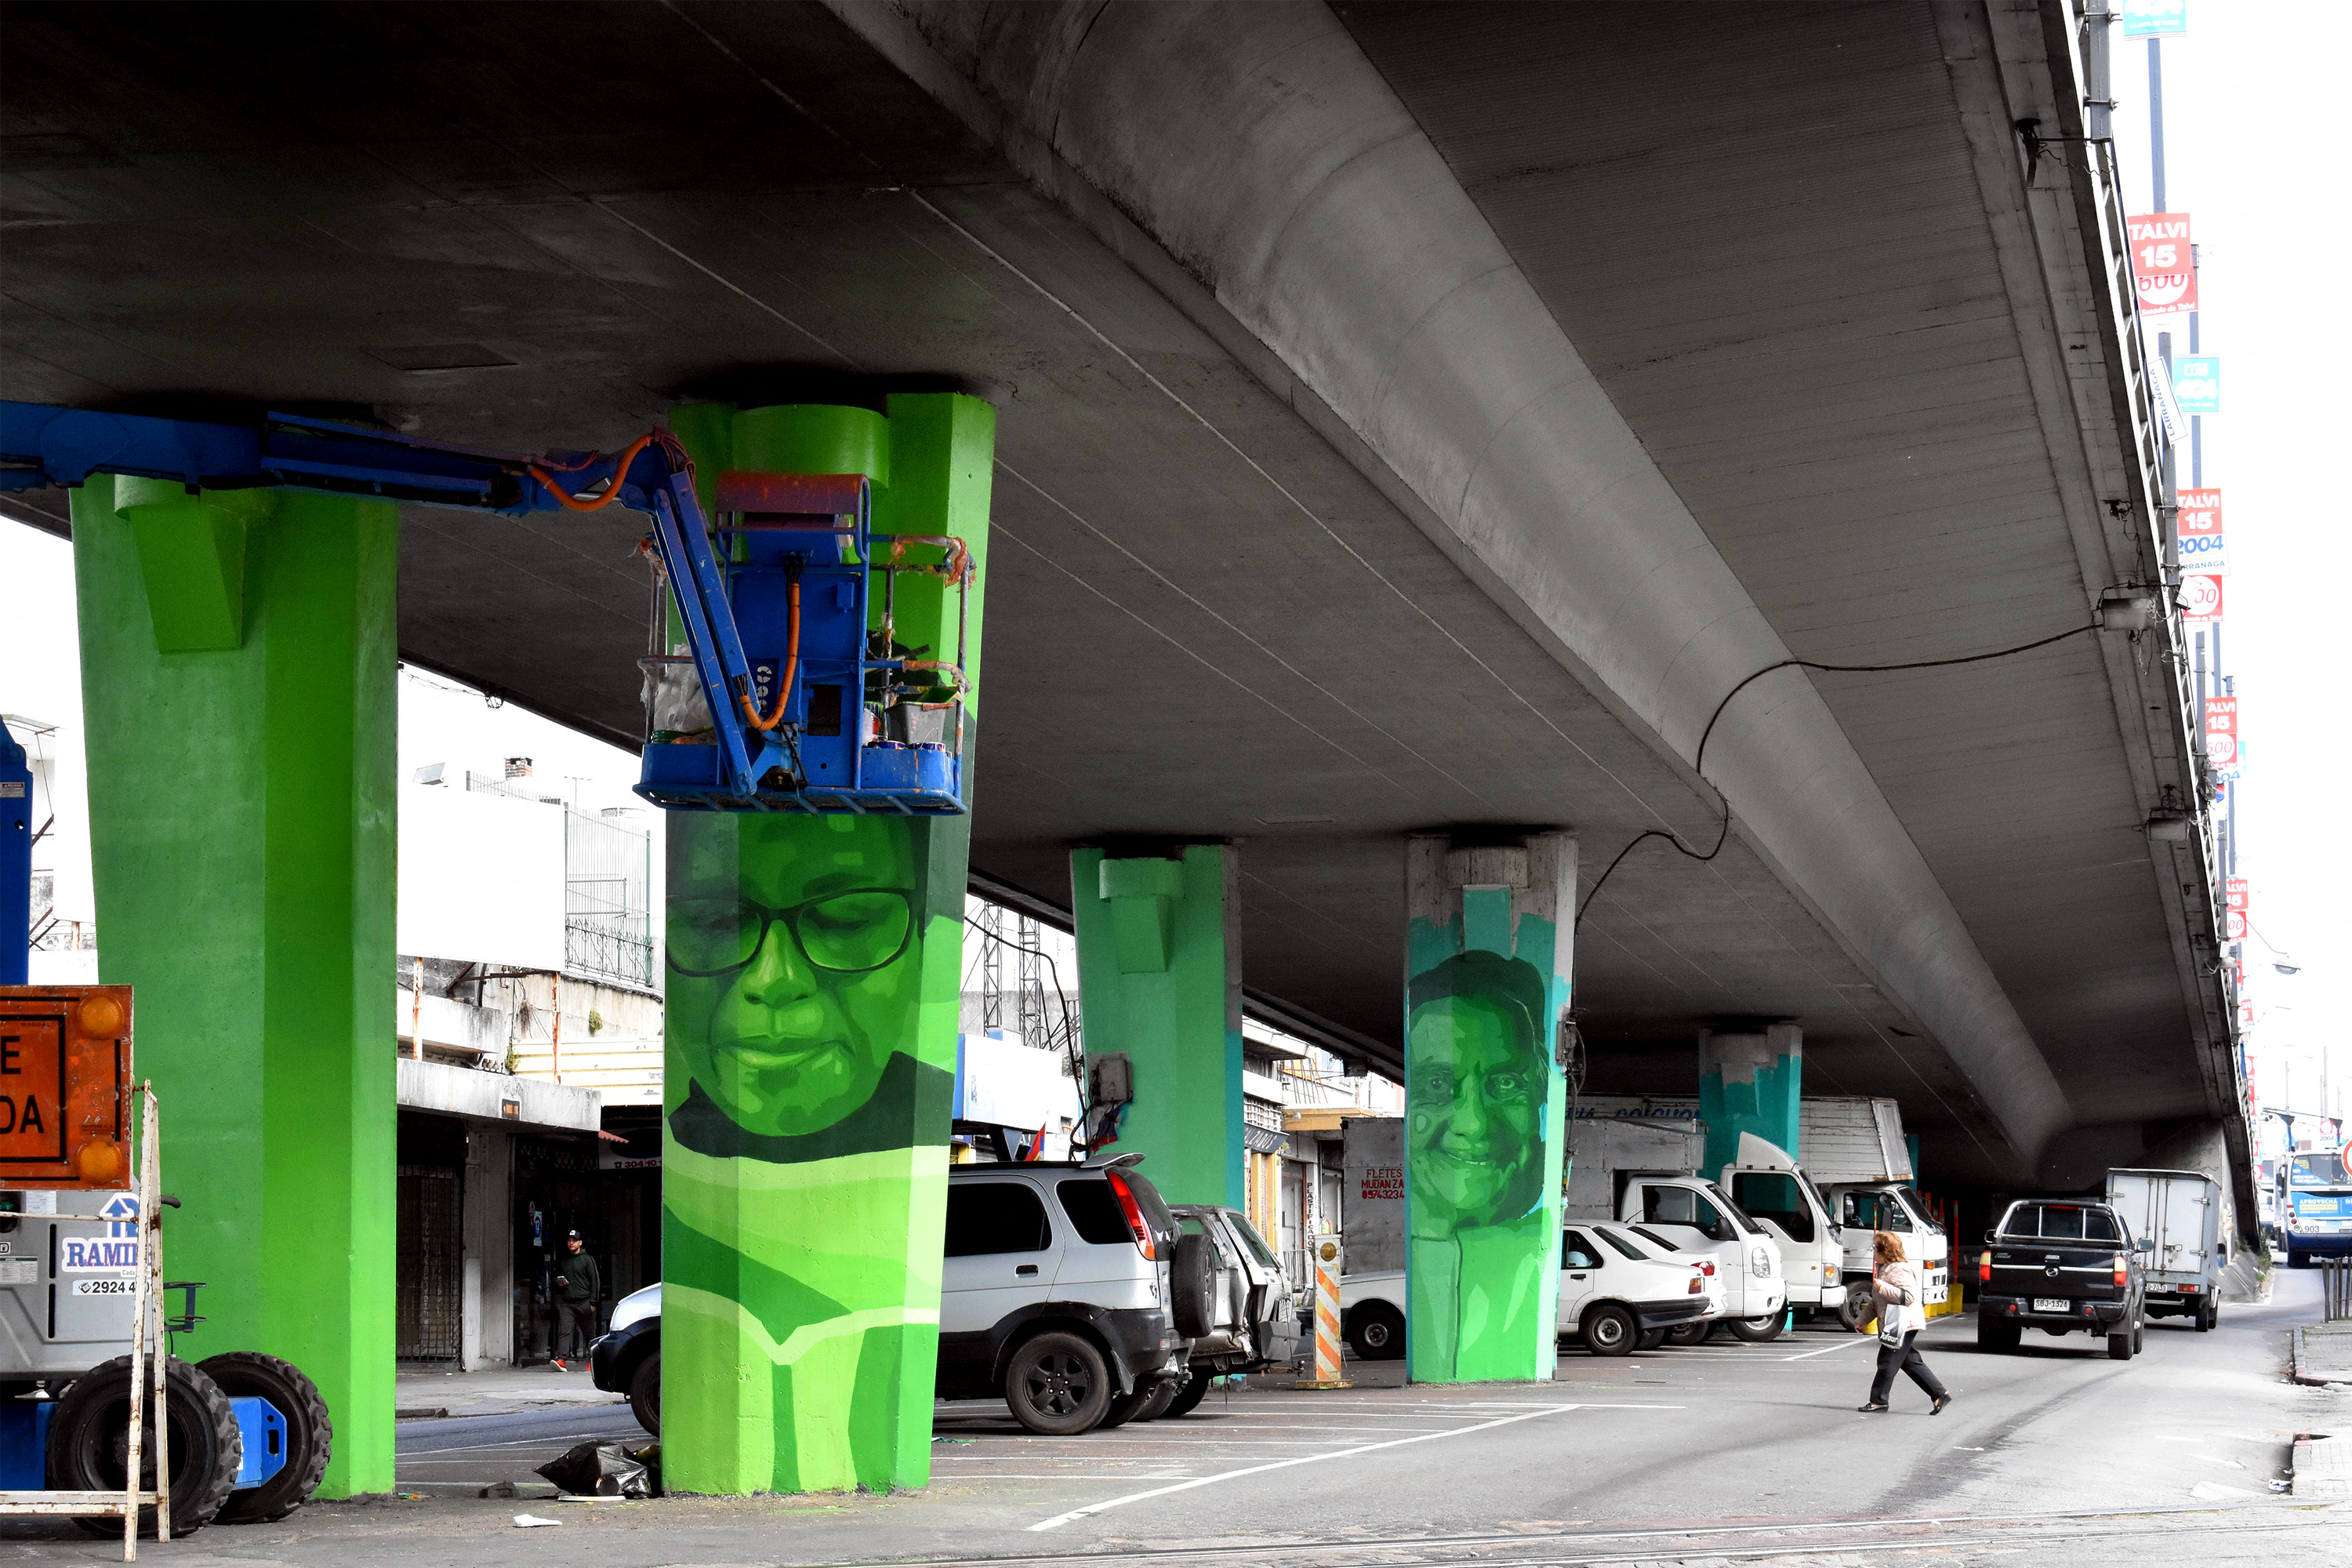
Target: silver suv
x,y
1232,1299
1054,1297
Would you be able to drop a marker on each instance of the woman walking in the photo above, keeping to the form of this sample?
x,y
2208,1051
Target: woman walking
x,y
1894,1286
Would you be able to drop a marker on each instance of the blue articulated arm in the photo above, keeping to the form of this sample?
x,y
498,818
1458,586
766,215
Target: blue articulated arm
x,y
747,763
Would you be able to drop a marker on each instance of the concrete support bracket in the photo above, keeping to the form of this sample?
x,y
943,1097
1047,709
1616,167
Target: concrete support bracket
x,y
1141,895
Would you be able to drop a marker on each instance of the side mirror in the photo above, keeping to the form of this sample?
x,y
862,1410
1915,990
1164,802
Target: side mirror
x,y
1992,1236
2145,1244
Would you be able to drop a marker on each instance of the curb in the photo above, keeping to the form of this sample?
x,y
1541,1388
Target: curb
x,y
2323,1466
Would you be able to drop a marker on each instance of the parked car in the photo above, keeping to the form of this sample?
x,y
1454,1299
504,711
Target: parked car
x,y
1691,1333
1697,1216
2063,1266
1242,1317
1615,1294
1055,1297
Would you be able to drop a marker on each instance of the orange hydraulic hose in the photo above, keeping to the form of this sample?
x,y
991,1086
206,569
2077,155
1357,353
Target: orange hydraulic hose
x,y
612,491
791,663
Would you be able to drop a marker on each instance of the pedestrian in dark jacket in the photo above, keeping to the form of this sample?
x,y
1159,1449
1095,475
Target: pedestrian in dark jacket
x,y
1894,1286
578,1288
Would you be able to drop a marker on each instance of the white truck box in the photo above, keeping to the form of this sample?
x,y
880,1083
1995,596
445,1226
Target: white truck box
x,y
2180,1212
1373,1208
1847,1138
1610,1133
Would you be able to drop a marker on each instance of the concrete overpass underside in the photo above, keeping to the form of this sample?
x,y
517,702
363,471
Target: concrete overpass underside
x,y
1410,417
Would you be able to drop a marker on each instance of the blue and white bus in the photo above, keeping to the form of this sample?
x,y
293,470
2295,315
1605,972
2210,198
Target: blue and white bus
x,y
2318,1218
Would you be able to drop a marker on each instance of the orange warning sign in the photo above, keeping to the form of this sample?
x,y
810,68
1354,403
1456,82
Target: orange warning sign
x,y
65,1086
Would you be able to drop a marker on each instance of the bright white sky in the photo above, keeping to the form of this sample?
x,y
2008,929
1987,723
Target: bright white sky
x,y
2256,151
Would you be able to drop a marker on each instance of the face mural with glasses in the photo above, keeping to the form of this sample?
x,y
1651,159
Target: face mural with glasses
x,y
797,969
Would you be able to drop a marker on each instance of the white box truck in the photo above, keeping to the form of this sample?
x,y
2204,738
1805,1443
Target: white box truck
x,y
1854,1150
2179,1212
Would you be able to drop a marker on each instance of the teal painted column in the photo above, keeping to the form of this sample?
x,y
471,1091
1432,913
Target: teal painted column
x,y
1159,975
1489,950
1750,1082
814,972
238,687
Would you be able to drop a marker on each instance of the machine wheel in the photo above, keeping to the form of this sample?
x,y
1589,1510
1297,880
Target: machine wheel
x,y
1188,1398
1994,1334
1760,1331
1609,1330
2209,1313
1192,1284
1690,1333
1144,1402
1855,1309
88,1453
2119,1346
2298,1259
1057,1386
645,1394
1376,1331
1651,1340
2140,1336
310,1434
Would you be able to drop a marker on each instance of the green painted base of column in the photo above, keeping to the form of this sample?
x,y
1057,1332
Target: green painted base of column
x,y
1750,1083
1488,958
1159,972
815,974
240,681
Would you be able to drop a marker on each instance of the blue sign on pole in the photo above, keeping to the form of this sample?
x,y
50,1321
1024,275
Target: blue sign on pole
x,y
2156,18
2197,383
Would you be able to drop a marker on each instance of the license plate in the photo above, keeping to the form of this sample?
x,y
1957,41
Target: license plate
x,y
104,1286
2044,1304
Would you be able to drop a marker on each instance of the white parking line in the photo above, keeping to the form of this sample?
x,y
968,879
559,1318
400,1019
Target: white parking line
x,y
1076,1513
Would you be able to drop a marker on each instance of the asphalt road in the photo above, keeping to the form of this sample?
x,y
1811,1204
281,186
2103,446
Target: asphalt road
x,y
1725,1453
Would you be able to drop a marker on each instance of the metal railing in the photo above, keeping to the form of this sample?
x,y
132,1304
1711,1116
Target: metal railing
x,y
2336,1282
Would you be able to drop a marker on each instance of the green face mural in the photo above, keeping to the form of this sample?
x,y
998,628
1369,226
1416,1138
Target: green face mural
x,y
1483,1107
1476,1096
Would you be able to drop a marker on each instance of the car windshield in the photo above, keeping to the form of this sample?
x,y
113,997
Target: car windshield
x,y
1251,1238
1620,1244
2325,1168
1735,1211
1651,1236
2060,1222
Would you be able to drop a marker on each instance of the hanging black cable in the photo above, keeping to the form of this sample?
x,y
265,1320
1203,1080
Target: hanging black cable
x,y
1699,758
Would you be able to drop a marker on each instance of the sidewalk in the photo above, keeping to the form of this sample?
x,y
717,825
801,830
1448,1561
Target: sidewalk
x,y
422,1394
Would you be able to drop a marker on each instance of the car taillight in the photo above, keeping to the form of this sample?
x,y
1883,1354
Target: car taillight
x,y
1136,1226
1984,1267
1708,1269
1698,1285
2123,1271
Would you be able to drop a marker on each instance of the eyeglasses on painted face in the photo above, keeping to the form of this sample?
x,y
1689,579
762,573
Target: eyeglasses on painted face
x,y
841,934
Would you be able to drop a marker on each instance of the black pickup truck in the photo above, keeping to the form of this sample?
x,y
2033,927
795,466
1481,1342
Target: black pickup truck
x,y
2063,1266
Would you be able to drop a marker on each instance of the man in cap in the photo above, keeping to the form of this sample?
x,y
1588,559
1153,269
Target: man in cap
x,y
578,1288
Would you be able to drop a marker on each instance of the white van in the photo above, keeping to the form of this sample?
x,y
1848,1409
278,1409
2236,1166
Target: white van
x,y
1699,1217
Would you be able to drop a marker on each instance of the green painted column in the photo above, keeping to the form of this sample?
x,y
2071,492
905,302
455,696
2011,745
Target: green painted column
x,y
1750,1082
238,687
814,972
1489,943
1159,977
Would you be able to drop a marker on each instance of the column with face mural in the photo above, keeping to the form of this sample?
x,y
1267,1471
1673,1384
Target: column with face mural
x,y
813,970
1488,943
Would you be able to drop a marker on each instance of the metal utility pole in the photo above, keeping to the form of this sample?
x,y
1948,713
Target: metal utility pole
x,y
992,968
1032,1014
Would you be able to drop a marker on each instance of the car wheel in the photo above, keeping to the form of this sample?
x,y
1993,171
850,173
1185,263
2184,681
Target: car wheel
x,y
2209,1313
1854,1310
2119,1346
645,1394
1609,1330
1056,1385
1992,1334
1144,1402
2297,1260
1188,1398
1192,1285
2140,1336
88,1436
1689,1333
310,1434
1760,1331
1376,1331
1651,1340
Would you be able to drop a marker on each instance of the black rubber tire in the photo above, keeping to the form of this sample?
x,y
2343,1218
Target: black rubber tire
x,y
2140,1336
1651,1339
1995,1335
2298,1259
1144,1402
310,1434
2209,1313
2119,1346
1760,1331
88,1429
1609,1330
1855,1309
645,1394
1192,1284
1188,1398
1690,1333
1057,1385
1376,1331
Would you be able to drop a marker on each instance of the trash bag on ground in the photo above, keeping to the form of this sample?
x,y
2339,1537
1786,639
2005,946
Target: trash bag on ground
x,y
599,1469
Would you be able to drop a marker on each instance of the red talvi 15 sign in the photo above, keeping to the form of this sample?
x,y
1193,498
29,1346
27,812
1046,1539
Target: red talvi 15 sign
x,y
2164,264
2198,526
2222,730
